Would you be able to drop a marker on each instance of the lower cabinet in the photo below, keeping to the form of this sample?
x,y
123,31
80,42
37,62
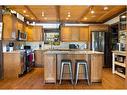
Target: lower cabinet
x,y
96,67
39,58
12,65
50,68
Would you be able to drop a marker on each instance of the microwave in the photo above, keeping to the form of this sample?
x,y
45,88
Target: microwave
x,y
22,36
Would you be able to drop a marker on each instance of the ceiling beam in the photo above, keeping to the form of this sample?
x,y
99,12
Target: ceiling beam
x,y
107,14
111,17
27,7
85,13
58,12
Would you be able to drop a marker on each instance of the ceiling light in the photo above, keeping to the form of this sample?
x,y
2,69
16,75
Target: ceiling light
x,y
105,8
69,15
43,14
85,18
24,11
92,12
32,18
45,18
123,16
67,18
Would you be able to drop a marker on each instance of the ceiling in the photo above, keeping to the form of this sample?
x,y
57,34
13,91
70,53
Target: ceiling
x,y
84,13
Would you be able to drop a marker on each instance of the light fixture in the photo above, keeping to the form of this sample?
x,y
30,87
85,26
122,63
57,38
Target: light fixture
x,y
24,11
105,8
68,15
92,12
85,18
43,14
32,18
67,18
45,18
123,16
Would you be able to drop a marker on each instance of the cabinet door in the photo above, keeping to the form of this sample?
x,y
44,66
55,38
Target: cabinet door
x,y
29,31
7,27
96,67
50,68
66,34
38,58
74,33
84,34
37,33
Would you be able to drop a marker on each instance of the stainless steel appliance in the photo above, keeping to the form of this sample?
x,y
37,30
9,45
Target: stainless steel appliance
x,y
101,42
1,55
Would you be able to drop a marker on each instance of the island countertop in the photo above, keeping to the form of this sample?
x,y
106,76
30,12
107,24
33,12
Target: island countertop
x,y
72,52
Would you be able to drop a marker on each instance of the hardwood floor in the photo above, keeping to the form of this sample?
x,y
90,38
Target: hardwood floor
x,y
34,80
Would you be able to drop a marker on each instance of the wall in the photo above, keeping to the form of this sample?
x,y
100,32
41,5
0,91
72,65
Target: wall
x,y
114,20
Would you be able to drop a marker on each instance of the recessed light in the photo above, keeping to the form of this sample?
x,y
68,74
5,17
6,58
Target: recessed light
x,y
43,14
105,8
24,11
67,18
85,18
123,16
69,15
92,12
45,18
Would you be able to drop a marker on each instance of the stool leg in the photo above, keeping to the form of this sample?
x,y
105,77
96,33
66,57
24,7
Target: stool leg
x,y
71,74
61,73
87,74
77,70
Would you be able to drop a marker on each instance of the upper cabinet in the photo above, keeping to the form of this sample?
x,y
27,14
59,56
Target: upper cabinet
x,y
74,34
84,34
9,27
65,34
123,21
34,33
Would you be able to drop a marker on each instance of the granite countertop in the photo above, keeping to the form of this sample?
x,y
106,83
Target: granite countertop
x,y
72,52
15,51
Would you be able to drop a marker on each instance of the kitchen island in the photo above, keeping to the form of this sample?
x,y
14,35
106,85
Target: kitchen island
x,y
52,61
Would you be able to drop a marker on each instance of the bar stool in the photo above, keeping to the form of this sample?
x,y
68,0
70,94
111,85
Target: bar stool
x,y
69,64
82,62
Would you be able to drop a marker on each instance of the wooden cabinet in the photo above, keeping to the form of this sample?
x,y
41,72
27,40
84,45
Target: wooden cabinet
x,y
96,67
123,21
34,33
12,65
65,34
50,68
37,33
84,34
74,34
8,27
38,58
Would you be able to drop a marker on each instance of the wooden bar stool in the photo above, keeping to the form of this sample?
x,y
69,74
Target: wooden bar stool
x,y
69,64
85,64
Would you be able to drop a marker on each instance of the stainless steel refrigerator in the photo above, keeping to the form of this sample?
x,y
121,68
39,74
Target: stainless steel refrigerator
x,y
1,55
101,41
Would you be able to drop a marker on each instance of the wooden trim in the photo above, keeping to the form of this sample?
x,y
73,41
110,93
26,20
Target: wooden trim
x,y
85,12
27,7
58,12
113,16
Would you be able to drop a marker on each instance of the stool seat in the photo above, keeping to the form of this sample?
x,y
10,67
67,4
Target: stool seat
x,y
65,60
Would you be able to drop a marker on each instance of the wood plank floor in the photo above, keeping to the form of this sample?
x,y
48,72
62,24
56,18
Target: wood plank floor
x,y
34,80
